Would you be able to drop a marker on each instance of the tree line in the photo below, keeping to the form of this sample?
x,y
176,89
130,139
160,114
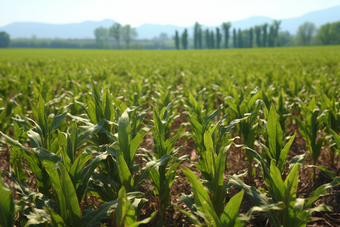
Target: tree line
x,y
266,35
221,37
117,32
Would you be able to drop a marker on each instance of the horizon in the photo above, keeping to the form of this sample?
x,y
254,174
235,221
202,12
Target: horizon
x,y
9,14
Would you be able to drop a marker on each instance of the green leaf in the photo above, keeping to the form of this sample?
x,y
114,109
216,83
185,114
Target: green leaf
x,y
277,183
298,159
86,131
56,121
192,217
92,218
137,141
264,209
145,221
56,220
289,198
119,104
70,194
281,164
322,190
336,138
7,206
124,172
125,214
230,212
202,200
35,138
83,177
54,177
258,198
271,131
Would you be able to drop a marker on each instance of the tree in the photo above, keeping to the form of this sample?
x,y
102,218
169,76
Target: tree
x,y
212,40
258,36
235,38
115,32
207,38
197,28
276,32
4,40
271,37
251,37
185,39
239,39
226,26
128,33
329,34
306,32
101,35
176,40
218,38
264,40
285,39
199,37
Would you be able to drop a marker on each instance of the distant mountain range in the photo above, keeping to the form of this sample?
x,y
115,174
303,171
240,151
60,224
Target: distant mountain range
x,y
85,29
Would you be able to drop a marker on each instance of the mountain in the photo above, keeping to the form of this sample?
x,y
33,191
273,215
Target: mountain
x,y
63,31
149,31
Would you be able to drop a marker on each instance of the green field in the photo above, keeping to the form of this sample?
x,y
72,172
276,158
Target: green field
x,y
116,138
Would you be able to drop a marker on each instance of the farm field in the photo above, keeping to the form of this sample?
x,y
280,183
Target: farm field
x,y
239,137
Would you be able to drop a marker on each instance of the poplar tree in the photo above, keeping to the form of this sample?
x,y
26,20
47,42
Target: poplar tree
x,y
207,38
176,40
276,32
199,38
197,27
212,40
258,36
185,39
226,26
264,40
218,38
251,37
271,36
235,38
240,39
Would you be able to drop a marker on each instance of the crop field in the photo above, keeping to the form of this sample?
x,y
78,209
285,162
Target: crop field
x,y
236,137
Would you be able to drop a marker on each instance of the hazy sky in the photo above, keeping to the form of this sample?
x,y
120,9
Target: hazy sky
x,y
137,12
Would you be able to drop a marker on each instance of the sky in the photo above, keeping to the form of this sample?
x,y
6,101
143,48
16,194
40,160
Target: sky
x,y
138,12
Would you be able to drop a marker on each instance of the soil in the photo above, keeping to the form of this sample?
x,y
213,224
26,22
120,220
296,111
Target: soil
x,y
236,164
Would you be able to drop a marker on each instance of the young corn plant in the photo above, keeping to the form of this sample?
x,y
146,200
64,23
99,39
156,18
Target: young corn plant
x,y
296,211
200,123
45,123
282,109
99,108
336,139
126,214
30,206
204,208
164,161
123,154
246,114
331,117
107,211
309,129
274,141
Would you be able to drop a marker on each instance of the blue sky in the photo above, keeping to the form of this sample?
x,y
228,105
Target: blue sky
x,y
134,12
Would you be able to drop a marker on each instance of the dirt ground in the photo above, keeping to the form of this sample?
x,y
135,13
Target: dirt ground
x,y
236,164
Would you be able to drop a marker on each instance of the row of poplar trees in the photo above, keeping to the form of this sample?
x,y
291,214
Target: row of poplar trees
x,y
241,39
